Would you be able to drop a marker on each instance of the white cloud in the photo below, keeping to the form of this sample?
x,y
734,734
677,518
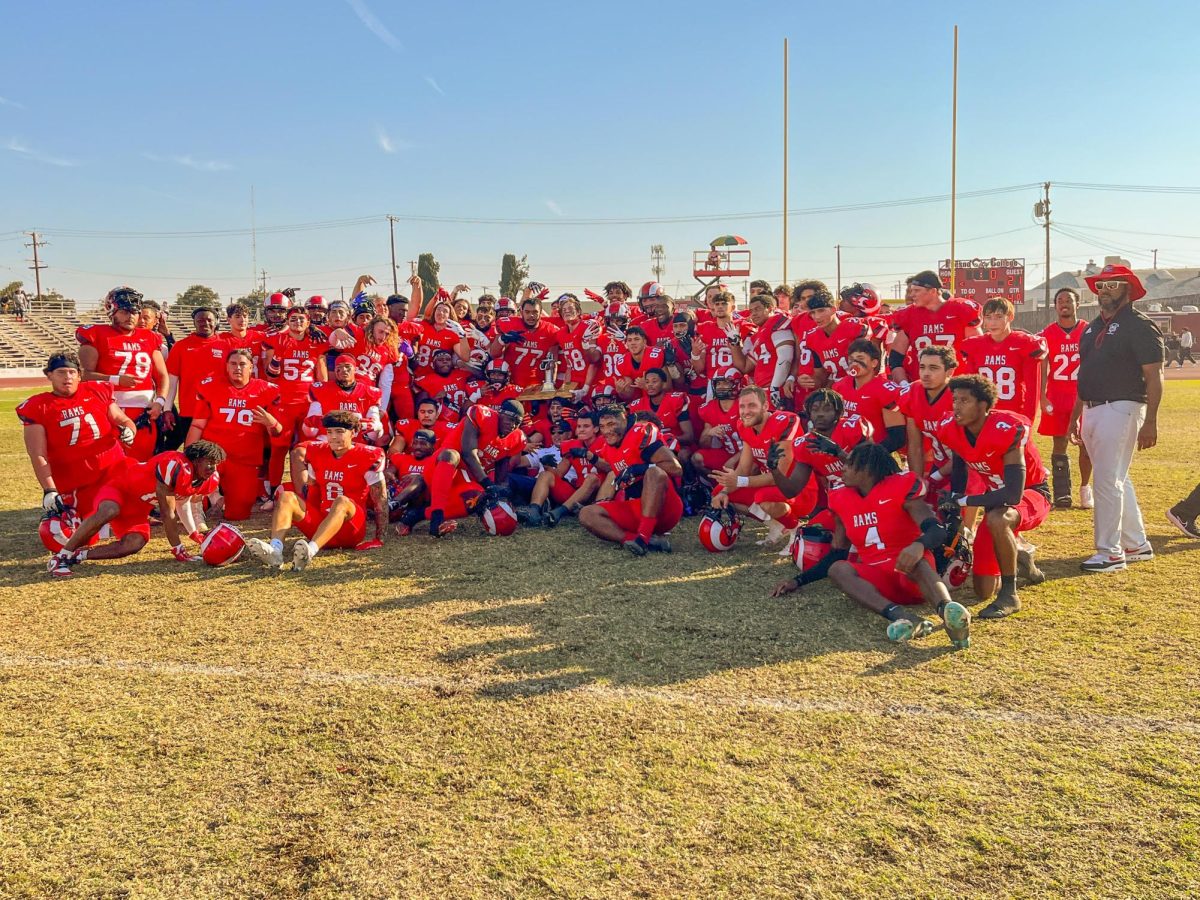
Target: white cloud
x,y
4,101
389,144
554,207
190,162
28,152
376,27
433,84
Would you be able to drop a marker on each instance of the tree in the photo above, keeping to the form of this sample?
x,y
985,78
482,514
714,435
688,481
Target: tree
x,y
9,292
254,299
196,296
513,273
428,268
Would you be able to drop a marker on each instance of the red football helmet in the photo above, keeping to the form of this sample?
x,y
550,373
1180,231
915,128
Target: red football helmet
x,y
316,301
499,519
616,311
275,308
650,290
863,297
224,544
55,531
810,545
719,529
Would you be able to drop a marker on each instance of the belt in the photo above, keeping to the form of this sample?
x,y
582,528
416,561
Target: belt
x,y
1092,404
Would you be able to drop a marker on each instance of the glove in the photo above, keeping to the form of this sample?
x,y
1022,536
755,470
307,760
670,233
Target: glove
x,y
949,507
538,289
181,554
593,296
818,443
632,474
369,545
143,421
52,502
491,495
406,349
456,328
578,453
685,344
512,337
669,355
776,398
548,460
774,455
126,435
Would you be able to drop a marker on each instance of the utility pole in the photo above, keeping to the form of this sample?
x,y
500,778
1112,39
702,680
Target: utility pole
x,y
263,285
37,265
253,238
1041,209
392,232
838,247
657,261
785,158
1155,252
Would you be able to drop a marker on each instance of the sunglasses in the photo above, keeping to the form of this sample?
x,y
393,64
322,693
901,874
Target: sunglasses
x,y
1101,285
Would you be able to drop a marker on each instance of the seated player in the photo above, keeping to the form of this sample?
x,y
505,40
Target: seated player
x,y
574,481
344,478
671,409
640,504
447,384
475,449
428,418
996,445
125,501
879,512
236,411
719,443
349,392
822,451
408,481
748,485
74,435
496,389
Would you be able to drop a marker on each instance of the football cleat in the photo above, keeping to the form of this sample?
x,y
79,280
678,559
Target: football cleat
x,y
636,546
658,544
902,630
302,554
60,565
264,552
957,619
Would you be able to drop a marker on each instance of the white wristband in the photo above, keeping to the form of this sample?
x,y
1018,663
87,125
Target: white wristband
x,y
743,481
114,379
936,475
962,501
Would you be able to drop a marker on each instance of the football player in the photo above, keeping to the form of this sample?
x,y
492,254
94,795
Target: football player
x,y
575,480
671,408
191,360
1008,357
869,393
719,443
345,479
124,504
928,320
995,444
74,434
771,349
528,344
926,404
639,504
408,477
350,392
879,512
1060,388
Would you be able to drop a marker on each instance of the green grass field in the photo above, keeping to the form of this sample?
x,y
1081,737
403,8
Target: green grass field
x,y
544,716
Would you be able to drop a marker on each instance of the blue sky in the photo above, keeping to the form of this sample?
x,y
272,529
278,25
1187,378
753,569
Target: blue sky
x,y
152,118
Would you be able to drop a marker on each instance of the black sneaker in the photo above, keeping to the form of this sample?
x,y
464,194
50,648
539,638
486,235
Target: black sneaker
x,y
659,544
1027,569
1003,605
636,546
1187,526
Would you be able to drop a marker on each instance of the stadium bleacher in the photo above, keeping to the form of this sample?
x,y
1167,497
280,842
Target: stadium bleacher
x,y
26,344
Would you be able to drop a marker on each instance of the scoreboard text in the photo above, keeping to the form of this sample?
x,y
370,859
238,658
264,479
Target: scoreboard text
x,y
982,279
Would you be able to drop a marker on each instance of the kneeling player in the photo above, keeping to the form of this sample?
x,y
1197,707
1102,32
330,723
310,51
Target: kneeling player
x,y
995,444
409,477
642,504
124,504
343,478
879,511
574,481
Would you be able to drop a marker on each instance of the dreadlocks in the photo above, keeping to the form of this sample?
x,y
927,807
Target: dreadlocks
x,y
874,460
825,395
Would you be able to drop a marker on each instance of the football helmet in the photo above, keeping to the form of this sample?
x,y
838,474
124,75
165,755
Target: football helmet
x,y
224,544
863,297
56,529
810,545
499,519
650,290
719,529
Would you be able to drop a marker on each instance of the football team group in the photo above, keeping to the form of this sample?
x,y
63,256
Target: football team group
x,y
887,449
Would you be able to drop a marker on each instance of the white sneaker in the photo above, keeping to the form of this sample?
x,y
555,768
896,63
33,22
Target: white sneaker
x,y
1102,562
1085,497
301,555
1141,554
775,533
271,557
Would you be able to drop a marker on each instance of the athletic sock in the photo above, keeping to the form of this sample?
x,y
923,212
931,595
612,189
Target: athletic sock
x,y
313,549
1008,584
646,527
892,612
277,544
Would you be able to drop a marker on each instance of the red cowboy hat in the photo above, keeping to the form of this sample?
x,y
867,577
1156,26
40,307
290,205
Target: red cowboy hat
x,y
1118,273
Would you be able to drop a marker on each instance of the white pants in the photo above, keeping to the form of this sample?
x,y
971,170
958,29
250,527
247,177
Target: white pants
x,y
1110,435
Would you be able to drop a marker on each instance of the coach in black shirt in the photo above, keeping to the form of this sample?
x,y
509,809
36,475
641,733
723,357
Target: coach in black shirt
x,y
1120,386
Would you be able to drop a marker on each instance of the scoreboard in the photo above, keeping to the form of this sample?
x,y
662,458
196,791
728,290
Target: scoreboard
x,y
982,279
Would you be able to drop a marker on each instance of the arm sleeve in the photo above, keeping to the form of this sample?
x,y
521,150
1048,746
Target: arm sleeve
x,y
958,474
385,387
1009,495
896,437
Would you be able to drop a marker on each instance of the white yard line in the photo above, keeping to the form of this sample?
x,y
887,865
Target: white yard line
x,y
1071,719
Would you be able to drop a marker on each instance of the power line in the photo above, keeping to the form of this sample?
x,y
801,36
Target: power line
x,y
932,243
1132,188
1189,237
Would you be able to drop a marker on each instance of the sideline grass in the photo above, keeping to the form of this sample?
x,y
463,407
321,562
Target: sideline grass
x,y
544,716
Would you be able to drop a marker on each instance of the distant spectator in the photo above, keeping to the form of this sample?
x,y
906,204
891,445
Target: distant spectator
x,y
1185,347
1171,345
21,306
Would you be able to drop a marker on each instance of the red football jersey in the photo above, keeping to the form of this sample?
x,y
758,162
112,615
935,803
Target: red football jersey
x,y
611,351
672,409
870,400
763,349
929,414
717,353
573,363
581,468
658,334
360,399
1013,365
829,350
298,361
407,464
371,359
628,367
801,323
81,443
877,525
191,360
1000,433
434,338
229,415
848,433
947,325
125,353
525,357
1062,348
252,340
141,479
711,414
350,475
406,428
455,388
780,426
492,447
642,440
